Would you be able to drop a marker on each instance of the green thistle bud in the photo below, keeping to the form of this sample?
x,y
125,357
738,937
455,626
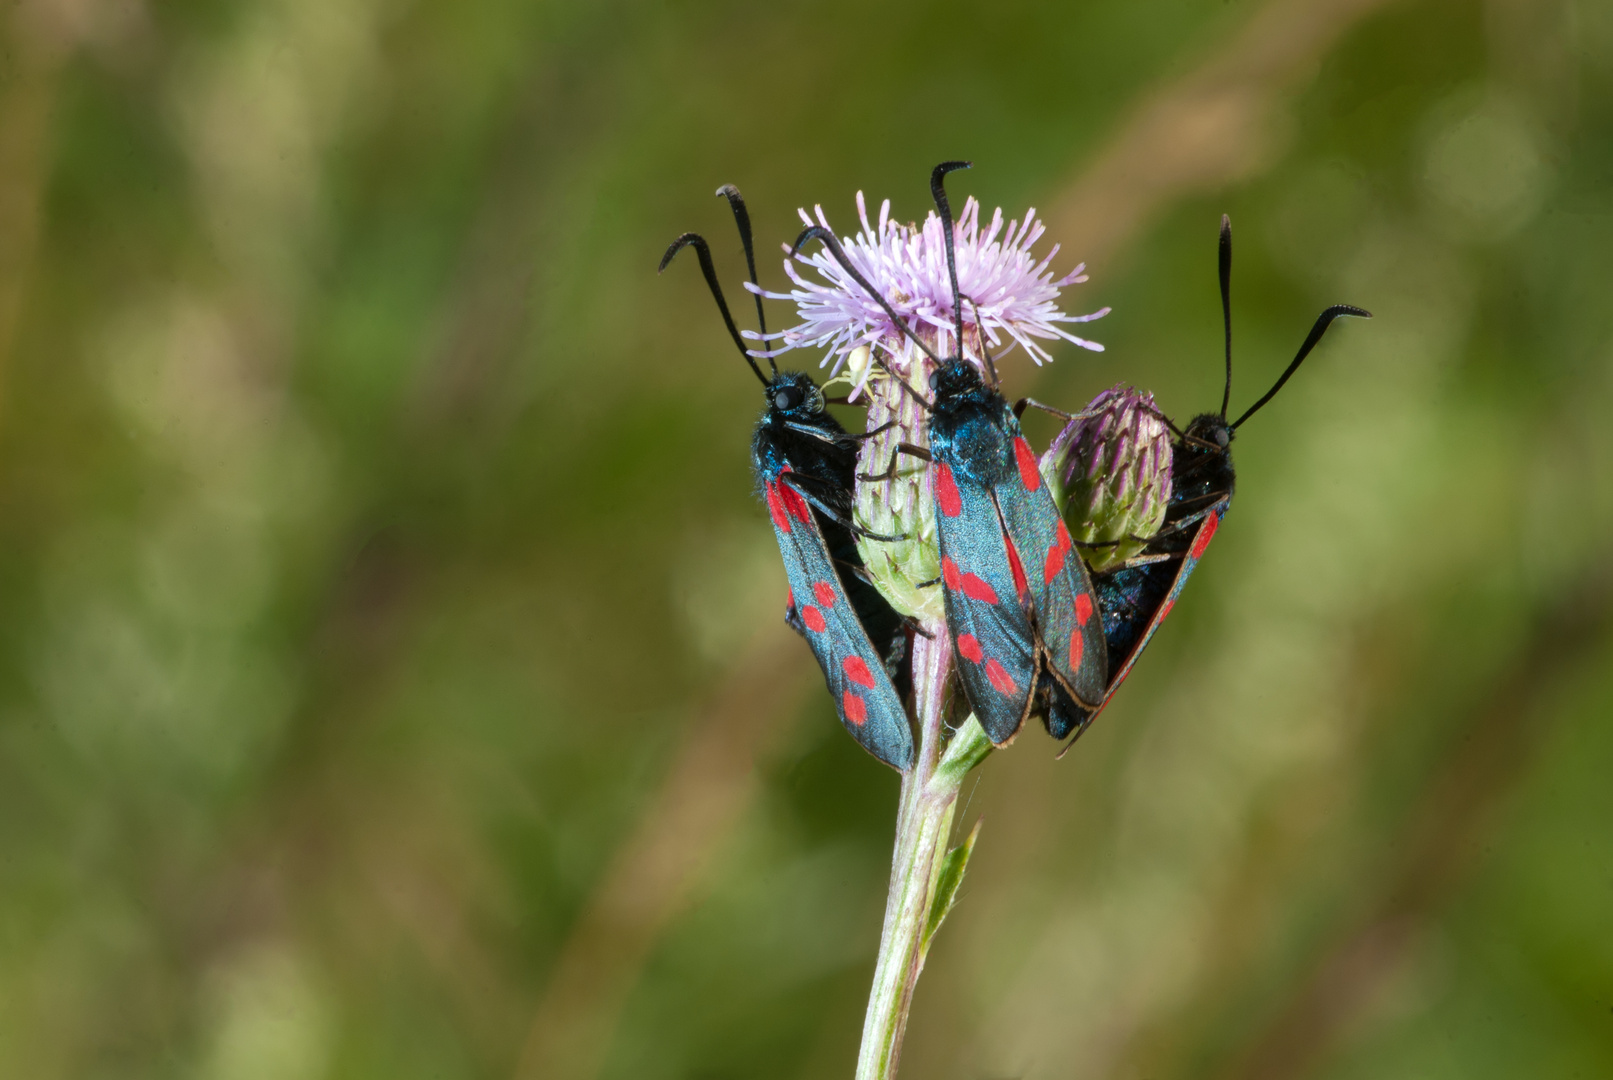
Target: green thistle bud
x,y
901,504
1113,464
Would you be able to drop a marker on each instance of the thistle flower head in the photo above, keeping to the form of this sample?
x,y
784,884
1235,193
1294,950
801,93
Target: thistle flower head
x,y
1010,297
1113,463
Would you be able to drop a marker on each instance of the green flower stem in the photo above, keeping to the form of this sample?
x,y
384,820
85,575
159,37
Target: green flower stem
x,y
924,875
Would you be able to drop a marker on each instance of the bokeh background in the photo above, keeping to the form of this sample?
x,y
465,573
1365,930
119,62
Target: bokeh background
x,y
392,679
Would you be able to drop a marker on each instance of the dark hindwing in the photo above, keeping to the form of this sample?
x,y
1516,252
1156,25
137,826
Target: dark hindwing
x,y
1135,600
867,700
991,629
1069,630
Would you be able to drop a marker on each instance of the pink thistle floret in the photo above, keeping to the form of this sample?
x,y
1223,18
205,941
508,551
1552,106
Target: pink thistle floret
x,y
1009,296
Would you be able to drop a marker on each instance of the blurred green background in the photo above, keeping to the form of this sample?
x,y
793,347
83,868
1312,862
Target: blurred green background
x,y
392,680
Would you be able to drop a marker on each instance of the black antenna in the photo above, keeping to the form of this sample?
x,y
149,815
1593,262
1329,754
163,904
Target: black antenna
x,y
699,244
1226,309
818,232
985,346
1323,321
736,202
939,191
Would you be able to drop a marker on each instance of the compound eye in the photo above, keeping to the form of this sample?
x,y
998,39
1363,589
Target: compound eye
x,y
935,379
785,399
1222,439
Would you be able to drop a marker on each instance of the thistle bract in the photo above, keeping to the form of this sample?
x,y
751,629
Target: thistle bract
x,y
1113,464
1010,301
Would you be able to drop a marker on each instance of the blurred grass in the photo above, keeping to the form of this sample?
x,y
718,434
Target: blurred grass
x,y
376,533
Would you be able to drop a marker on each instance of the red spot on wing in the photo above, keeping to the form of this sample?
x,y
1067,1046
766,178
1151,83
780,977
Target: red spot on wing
x,y
950,575
1054,563
814,619
1164,610
946,491
775,507
1064,537
1013,564
1029,474
855,707
976,587
824,592
969,648
1206,531
857,671
1077,649
1083,608
793,502
999,677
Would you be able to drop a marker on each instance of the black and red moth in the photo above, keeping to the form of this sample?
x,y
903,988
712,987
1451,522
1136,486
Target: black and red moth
x,y
805,466
1019,604
1134,599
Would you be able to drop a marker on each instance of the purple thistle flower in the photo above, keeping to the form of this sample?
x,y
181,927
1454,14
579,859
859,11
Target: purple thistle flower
x,y
1008,295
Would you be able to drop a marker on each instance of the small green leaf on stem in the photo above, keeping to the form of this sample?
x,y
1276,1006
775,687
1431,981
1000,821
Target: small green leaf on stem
x,y
946,885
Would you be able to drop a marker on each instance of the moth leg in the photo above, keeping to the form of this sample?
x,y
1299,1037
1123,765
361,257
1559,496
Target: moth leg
x,y
833,514
1026,402
792,619
869,434
889,471
843,437
912,624
858,530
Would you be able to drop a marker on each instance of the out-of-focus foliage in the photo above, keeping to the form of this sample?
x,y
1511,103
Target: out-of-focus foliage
x,y
391,680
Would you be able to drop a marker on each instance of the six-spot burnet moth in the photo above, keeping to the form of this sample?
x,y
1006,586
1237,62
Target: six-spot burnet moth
x,y
1019,604
1135,598
805,464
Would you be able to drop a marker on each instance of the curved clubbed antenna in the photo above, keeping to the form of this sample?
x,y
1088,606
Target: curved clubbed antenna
x,y
827,238
1323,321
736,202
1225,254
939,192
701,249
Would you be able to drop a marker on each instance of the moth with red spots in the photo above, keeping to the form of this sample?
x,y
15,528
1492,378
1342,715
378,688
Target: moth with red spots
x,y
1028,642
1135,599
1019,601
805,465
